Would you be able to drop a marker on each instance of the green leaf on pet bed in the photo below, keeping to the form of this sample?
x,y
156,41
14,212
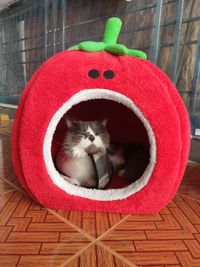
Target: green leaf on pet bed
x,y
109,43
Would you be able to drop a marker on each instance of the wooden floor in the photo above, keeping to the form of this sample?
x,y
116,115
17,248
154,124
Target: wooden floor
x,y
33,236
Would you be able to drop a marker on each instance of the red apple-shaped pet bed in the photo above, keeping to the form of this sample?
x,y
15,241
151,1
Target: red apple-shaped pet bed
x,y
91,81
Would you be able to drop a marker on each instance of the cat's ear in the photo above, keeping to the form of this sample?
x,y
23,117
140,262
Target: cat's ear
x,y
104,122
69,123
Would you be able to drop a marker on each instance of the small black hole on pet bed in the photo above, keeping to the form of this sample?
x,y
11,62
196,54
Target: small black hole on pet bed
x,y
93,74
124,127
109,74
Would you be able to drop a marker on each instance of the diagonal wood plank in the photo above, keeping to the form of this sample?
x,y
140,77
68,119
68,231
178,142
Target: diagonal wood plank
x,y
151,258
183,220
19,249
194,247
161,245
41,260
169,222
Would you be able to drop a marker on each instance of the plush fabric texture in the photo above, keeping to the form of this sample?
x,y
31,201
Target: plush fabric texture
x,y
109,44
66,74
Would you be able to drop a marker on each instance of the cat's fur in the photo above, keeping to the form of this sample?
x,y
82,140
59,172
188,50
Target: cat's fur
x,y
91,137
82,139
88,137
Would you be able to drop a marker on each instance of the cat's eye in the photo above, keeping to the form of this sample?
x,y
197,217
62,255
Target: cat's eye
x,y
93,74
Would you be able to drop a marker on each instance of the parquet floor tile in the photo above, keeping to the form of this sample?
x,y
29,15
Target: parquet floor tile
x,y
32,234
8,261
187,260
165,239
95,223
41,260
151,258
96,256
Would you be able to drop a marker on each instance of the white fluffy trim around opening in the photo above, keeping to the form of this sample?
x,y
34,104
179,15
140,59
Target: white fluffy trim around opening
x,y
95,194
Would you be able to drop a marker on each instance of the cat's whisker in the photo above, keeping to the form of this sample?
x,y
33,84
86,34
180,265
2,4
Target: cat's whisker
x,y
83,137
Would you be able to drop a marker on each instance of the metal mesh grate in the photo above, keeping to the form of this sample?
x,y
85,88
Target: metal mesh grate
x,y
31,31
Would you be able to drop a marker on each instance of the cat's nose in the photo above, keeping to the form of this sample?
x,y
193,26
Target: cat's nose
x,y
91,137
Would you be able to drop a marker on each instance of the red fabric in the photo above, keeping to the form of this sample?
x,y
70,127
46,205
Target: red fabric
x,y
65,74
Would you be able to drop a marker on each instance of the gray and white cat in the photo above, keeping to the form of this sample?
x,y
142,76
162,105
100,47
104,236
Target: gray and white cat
x,y
84,139
91,137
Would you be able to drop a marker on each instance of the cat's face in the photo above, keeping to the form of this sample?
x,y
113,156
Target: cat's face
x,y
86,137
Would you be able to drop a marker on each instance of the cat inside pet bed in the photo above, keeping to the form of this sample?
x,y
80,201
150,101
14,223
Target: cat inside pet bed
x,y
87,157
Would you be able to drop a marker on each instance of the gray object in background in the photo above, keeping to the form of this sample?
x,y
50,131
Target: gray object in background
x,y
6,3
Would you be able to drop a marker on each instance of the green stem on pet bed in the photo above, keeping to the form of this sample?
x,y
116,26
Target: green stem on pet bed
x,y
112,30
109,44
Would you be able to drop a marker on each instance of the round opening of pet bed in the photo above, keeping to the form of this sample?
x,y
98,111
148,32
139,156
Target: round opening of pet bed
x,y
126,125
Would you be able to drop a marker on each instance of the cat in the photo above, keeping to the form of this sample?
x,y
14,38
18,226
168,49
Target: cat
x,y
86,138
83,139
